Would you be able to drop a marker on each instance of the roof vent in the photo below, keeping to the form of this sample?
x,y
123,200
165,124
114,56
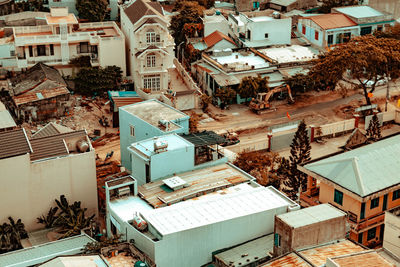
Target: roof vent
x,y
175,183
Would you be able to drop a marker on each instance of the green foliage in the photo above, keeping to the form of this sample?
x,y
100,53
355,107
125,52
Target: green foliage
x,y
179,4
193,122
374,129
11,234
50,219
299,154
327,5
81,62
392,32
92,10
95,247
300,83
225,94
95,81
189,12
205,101
251,86
30,5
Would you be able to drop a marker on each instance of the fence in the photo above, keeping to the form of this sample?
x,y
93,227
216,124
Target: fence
x,y
333,129
382,117
187,79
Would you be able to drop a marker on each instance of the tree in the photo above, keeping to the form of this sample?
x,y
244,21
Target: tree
x,y
225,94
205,102
389,32
207,4
251,86
81,62
361,62
374,129
11,234
327,5
30,5
296,181
94,81
50,219
300,83
193,122
263,166
92,10
189,12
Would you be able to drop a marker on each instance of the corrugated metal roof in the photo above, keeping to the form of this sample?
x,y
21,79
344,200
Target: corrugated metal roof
x,y
289,260
365,259
318,255
332,21
39,254
13,143
192,214
51,129
360,11
311,215
254,251
53,146
365,170
283,2
36,96
6,120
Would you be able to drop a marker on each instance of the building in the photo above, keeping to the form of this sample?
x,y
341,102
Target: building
x,y
119,99
38,94
364,182
367,18
215,41
289,5
220,202
260,28
308,227
6,120
112,8
391,236
37,171
328,29
145,120
60,40
215,22
149,46
250,5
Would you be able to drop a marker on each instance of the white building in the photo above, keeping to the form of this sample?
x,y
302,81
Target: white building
x,y
391,237
261,28
60,40
150,47
36,172
215,22
187,233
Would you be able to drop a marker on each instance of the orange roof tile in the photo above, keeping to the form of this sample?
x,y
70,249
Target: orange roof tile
x,y
289,260
215,38
332,21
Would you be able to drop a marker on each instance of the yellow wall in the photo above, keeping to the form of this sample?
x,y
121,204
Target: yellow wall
x,y
326,195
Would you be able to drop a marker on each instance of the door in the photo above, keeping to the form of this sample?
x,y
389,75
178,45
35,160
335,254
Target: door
x,y
381,232
362,215
384,206
148,180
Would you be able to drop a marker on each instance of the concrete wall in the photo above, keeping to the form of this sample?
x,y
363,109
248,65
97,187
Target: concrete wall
x,y
212,26
33,187
279,30
391,238
281,140
112,52
337,127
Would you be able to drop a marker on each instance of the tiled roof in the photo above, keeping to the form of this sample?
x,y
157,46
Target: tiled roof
x,y
332,21
140,8
51,129
13,143
53,146
215,38
365,170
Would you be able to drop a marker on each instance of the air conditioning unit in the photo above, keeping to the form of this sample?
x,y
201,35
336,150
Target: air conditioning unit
x,y
123,191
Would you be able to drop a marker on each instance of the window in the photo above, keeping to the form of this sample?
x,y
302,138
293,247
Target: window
x,y
151,61
152,82
132,130
266,36
374,203
366,30
30,51
277,240
316,35
256,5
84,47
303,30
379,28
371,233
362,214
330,39
346,37
150,37
338,197
41,50
12,53
360,238
396,195
51,49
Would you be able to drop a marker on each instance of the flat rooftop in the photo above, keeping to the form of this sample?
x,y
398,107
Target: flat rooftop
x,y
193,214
152,111
240,61
318,255
366,259
69,19
294,53
311,215
174,141
359,11
199,181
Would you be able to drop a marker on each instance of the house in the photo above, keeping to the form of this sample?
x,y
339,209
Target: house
x,y
391,236
308,227
193,215
37,171
149,46
112,8
215,22
38,94
145,120
214,41
289,5
250,5
364,182
328,29
119,99
367,18
61,40
260,28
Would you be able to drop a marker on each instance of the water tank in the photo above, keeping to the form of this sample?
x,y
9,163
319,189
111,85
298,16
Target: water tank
x,y
217,12
140,264
82,146
139,223
276,15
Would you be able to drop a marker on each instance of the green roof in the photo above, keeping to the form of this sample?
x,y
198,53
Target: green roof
x,y
363,171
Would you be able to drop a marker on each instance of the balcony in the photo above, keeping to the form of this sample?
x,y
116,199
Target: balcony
x,y
308,201
370,222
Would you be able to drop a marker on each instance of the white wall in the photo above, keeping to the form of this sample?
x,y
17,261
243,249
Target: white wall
x,y
279,30
29,189
112,52
391,238
211,26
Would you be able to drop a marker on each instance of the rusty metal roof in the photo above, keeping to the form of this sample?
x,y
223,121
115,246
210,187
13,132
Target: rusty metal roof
x,y
366,259
40,95
53,146
288,260
14,143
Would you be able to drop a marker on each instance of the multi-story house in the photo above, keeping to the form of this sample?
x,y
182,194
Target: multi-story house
x,y
60,40
364,182
150,47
